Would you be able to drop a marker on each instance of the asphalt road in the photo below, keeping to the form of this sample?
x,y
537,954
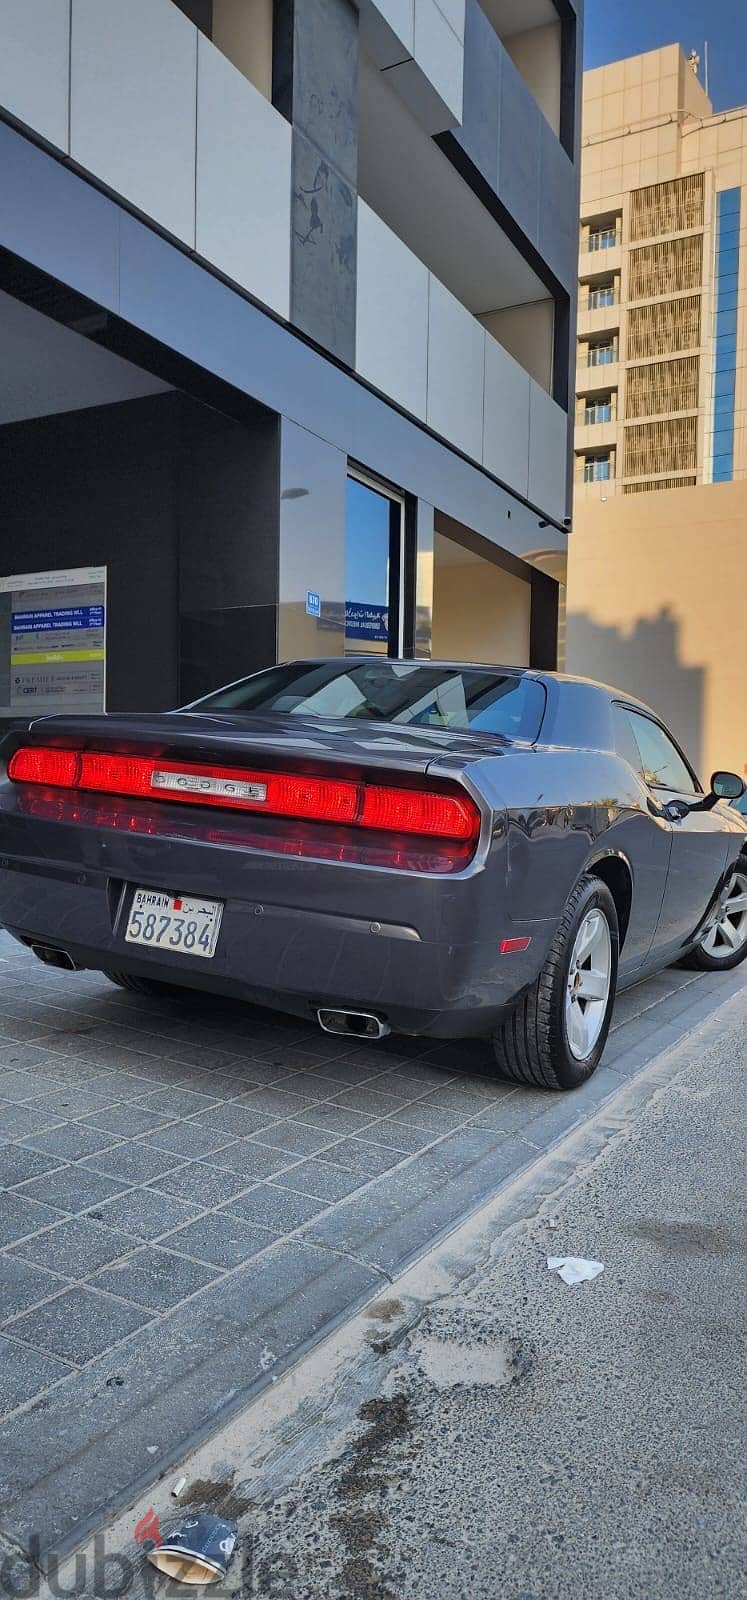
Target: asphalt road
x,y
533,1441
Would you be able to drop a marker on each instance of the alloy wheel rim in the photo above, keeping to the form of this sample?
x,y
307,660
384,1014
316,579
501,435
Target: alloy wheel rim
x,y
728,933
588,984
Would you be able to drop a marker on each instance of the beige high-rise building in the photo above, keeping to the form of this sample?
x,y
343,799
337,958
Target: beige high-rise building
x,y
657,566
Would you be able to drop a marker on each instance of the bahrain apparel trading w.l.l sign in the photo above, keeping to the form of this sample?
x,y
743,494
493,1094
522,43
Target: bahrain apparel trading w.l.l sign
x,y
53,642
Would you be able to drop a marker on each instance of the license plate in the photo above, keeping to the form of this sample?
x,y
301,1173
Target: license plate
x,y
180,923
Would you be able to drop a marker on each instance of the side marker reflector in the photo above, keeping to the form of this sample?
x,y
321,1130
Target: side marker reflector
x,y
510,947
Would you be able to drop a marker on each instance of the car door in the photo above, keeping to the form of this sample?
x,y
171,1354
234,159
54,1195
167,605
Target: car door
x,y
699,840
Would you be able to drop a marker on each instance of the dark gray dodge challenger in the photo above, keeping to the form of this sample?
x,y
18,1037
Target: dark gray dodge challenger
x,y
428,847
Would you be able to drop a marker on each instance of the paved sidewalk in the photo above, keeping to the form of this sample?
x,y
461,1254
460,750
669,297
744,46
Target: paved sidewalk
x,y
195,1190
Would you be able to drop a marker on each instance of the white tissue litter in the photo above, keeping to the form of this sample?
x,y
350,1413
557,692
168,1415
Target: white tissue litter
x,y
573,1269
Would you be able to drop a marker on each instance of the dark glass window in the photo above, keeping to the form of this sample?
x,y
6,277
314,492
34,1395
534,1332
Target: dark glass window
x,y
415,694
373,530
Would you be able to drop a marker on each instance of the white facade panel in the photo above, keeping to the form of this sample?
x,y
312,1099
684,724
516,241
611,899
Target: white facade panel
x,y
34,65
456,371
506,417
453,10
439,54
400,17
548,449
392,314
133,105
243,181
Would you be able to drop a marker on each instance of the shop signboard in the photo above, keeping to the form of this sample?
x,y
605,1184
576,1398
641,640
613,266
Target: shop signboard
x,y
53,642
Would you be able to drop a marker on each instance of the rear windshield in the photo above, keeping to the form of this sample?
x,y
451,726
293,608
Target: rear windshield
x,y
469,699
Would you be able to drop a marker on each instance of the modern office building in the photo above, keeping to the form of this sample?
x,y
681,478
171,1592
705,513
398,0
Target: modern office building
x,y
658,557
287,320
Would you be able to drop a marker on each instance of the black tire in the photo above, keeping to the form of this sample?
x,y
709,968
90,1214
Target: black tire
x,y
702,960
149,986
531,1046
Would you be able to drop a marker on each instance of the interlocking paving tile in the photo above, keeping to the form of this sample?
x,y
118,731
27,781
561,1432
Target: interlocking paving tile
x,y
321,1180
295,1137
337,1119
359,1155
155,1278
219,1238
399,1135
187,1140
25,1373
70,1188
22,1086
125,1122
250,1160
204,1186
144,1213
17,1163
73,1102
23,1285
17,1121
376,1102
176,1102
79,1324
276,1101
132,1162
235,1121
69,1141
74,1248
277,1209
20,1216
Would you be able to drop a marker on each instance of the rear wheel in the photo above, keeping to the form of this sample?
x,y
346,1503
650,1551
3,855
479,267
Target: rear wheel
x,y
725,943
555,1036
150,986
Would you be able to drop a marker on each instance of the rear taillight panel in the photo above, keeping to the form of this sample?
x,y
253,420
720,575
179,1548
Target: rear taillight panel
x,y
442,813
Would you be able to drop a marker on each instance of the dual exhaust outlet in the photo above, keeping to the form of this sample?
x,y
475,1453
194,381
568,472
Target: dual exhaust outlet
x,y
356,1024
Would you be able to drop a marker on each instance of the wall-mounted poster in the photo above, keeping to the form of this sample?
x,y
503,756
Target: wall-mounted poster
x,y
53,642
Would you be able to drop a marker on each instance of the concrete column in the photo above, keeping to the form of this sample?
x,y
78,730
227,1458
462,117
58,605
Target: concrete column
x,y
315,85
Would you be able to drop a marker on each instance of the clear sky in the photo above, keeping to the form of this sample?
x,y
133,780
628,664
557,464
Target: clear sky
x,y
629,27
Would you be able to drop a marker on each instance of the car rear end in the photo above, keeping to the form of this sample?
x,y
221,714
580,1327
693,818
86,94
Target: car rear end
x,y
274,859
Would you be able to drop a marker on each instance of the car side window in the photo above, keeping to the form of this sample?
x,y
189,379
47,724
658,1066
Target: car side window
x,y
661,764
625,744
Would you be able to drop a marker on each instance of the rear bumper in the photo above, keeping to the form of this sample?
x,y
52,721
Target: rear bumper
x,y
295,935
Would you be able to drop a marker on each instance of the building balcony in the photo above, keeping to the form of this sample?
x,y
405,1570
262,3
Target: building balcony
x,y
592,262
602,319
601,377
595,435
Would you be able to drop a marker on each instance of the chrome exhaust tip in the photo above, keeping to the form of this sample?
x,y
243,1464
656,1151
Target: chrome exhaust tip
x,y
52,957
356,1024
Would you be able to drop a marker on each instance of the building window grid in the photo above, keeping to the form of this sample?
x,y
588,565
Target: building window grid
x,y
603,294
603,238
599,409
602,354
598,468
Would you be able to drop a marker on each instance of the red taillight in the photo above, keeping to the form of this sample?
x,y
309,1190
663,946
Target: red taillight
x,y
56,767
427,813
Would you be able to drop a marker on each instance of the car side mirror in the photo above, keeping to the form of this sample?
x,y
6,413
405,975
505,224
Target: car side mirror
x,y
727,786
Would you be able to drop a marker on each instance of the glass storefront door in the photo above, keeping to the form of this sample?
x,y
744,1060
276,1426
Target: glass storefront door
x,y
374,553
